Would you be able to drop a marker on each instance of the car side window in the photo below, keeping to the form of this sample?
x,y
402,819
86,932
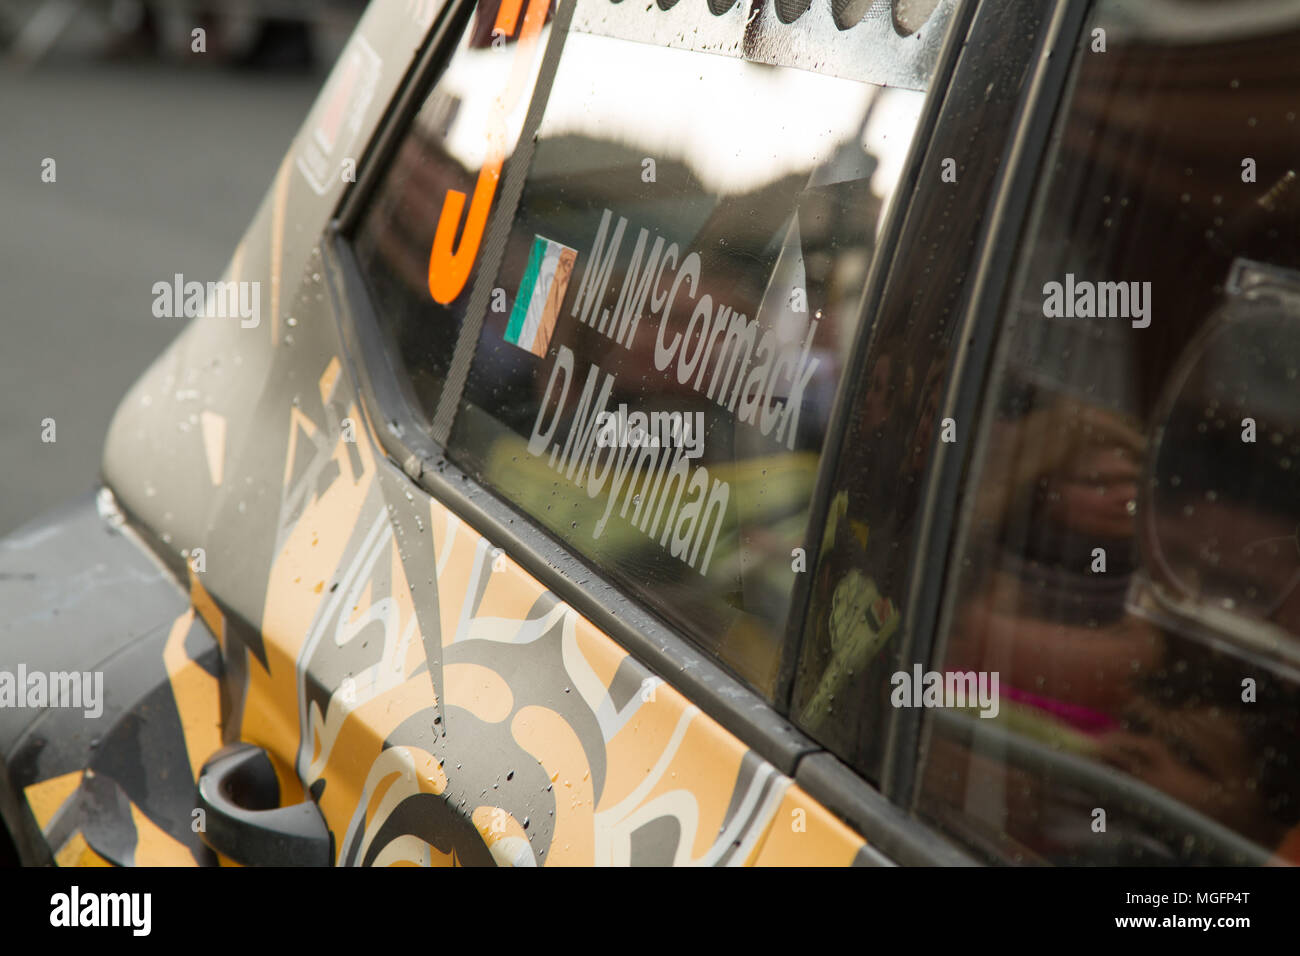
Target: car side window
x,y
674,306
634,329
1124,581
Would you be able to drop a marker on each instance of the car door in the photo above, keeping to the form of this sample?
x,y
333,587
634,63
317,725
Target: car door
x,y
493,365
439,645
446,646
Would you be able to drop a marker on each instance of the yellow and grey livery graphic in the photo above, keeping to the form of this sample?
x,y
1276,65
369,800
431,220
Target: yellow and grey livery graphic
x,y
475,720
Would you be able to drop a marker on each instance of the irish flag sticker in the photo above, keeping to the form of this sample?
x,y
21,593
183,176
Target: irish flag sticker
x,y
537,306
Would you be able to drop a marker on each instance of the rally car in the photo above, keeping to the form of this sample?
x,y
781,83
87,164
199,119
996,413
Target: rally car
x,y
799,432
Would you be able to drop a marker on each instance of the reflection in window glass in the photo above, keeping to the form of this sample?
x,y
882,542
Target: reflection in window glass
x,y
1129,557
690,247
442,154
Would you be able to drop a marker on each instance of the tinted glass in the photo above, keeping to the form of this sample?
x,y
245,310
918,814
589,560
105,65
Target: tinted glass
x,y
1116,680
692,241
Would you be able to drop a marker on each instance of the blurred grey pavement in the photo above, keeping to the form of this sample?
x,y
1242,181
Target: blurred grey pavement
x,y
159,170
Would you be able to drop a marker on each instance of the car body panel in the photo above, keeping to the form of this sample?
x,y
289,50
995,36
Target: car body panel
x,y
83,594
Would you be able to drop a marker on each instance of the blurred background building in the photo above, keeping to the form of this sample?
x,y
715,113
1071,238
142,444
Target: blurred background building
x,y
161,153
